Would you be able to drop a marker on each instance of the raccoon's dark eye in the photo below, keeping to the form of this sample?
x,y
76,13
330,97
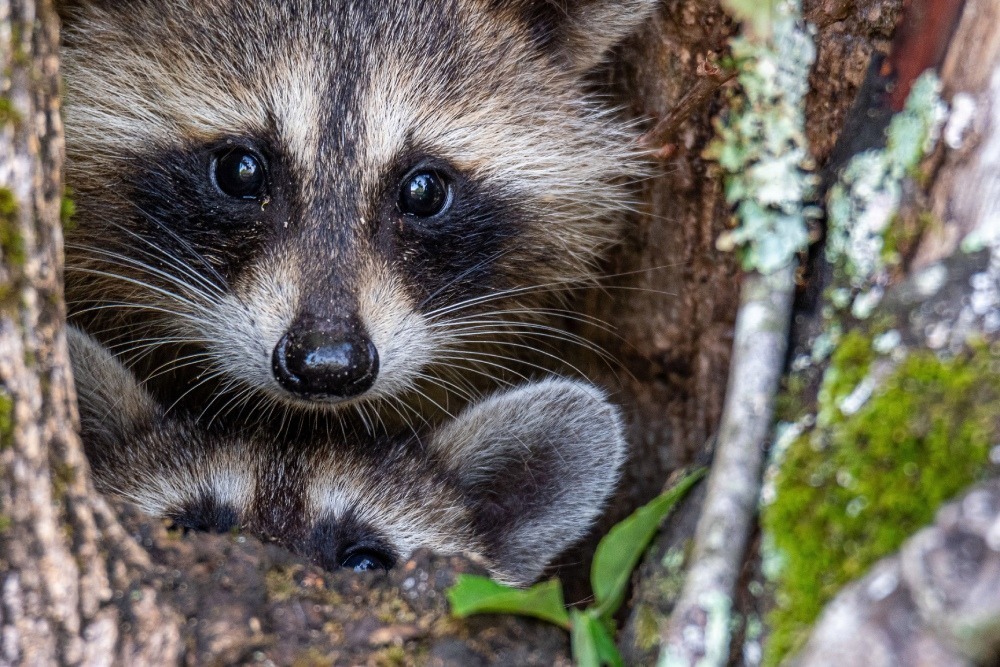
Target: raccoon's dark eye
x,y
239,173
364,560
424,194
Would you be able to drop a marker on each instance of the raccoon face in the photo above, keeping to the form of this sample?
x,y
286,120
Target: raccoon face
x,y
323,199
514,479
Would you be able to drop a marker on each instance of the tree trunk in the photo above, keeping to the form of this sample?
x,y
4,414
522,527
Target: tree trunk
x,y
894,389
936,602
65,560
674,303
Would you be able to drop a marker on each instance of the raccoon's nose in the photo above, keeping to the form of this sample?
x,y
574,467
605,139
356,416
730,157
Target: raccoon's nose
x,y
319,363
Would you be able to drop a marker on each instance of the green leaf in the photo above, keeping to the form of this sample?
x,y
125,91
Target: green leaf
x,y
592,643
585,652
479,595
620,550
606,648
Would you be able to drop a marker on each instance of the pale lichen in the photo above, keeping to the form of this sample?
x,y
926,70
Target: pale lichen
x,y
866,200
717,608
762,143
753,649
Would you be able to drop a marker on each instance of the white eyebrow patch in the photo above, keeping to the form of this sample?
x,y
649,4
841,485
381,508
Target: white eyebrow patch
x,y
296,99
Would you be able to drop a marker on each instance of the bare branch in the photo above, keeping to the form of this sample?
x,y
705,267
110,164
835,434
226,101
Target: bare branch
x,y
699,628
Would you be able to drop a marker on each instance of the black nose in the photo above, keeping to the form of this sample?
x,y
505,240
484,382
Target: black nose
x,y
319,362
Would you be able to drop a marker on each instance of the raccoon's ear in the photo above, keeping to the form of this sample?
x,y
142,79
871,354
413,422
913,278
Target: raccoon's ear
x,y
536,465
112,403
66,8
70,10
579,31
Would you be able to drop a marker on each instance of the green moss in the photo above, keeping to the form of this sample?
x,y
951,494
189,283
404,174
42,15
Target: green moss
x,y
853,490
6,420
8,204
284,584
8,114
394,656
903,235
11,243
849,366
665,584
63,478
788,404
647,628
280,584
67,209
312,657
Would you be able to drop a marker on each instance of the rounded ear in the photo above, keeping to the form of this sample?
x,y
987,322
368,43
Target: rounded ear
x,y
70,11
536,465
580,32
112,404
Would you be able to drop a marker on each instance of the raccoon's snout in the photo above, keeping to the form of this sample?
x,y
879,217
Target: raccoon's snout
x,y
321,362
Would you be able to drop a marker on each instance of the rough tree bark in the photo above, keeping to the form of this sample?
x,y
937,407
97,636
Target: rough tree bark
x,y
676,300
64,560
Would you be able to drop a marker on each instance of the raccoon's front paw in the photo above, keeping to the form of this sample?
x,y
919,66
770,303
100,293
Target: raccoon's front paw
x,y
537,464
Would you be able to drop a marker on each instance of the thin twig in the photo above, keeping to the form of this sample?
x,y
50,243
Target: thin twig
x,y
711,78
698,632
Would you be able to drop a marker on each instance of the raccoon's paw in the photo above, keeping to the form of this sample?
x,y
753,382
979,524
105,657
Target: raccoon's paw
x,y
536,464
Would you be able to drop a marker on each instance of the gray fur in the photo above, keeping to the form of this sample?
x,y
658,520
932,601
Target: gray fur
x,y
514,480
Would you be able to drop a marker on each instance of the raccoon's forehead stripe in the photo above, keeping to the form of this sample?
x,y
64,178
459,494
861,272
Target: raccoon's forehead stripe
x,y
180,105
403,513
298,107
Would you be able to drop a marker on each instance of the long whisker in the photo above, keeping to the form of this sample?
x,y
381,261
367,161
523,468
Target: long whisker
x,y
149,217
464,274
145,285
527,363
209,377
125,262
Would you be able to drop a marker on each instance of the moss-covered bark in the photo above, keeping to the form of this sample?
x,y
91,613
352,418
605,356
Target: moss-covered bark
x,y
893,442
891,409
61,553
847,36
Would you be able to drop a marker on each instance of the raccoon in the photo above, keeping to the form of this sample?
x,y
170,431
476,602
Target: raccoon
x,y
514,479
309,204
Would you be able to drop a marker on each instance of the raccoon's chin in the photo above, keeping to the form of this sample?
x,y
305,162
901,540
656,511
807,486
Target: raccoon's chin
x,y
316,402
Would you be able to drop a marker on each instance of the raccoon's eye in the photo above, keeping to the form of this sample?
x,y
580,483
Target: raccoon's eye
x,y
364,560
423,194
239,173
